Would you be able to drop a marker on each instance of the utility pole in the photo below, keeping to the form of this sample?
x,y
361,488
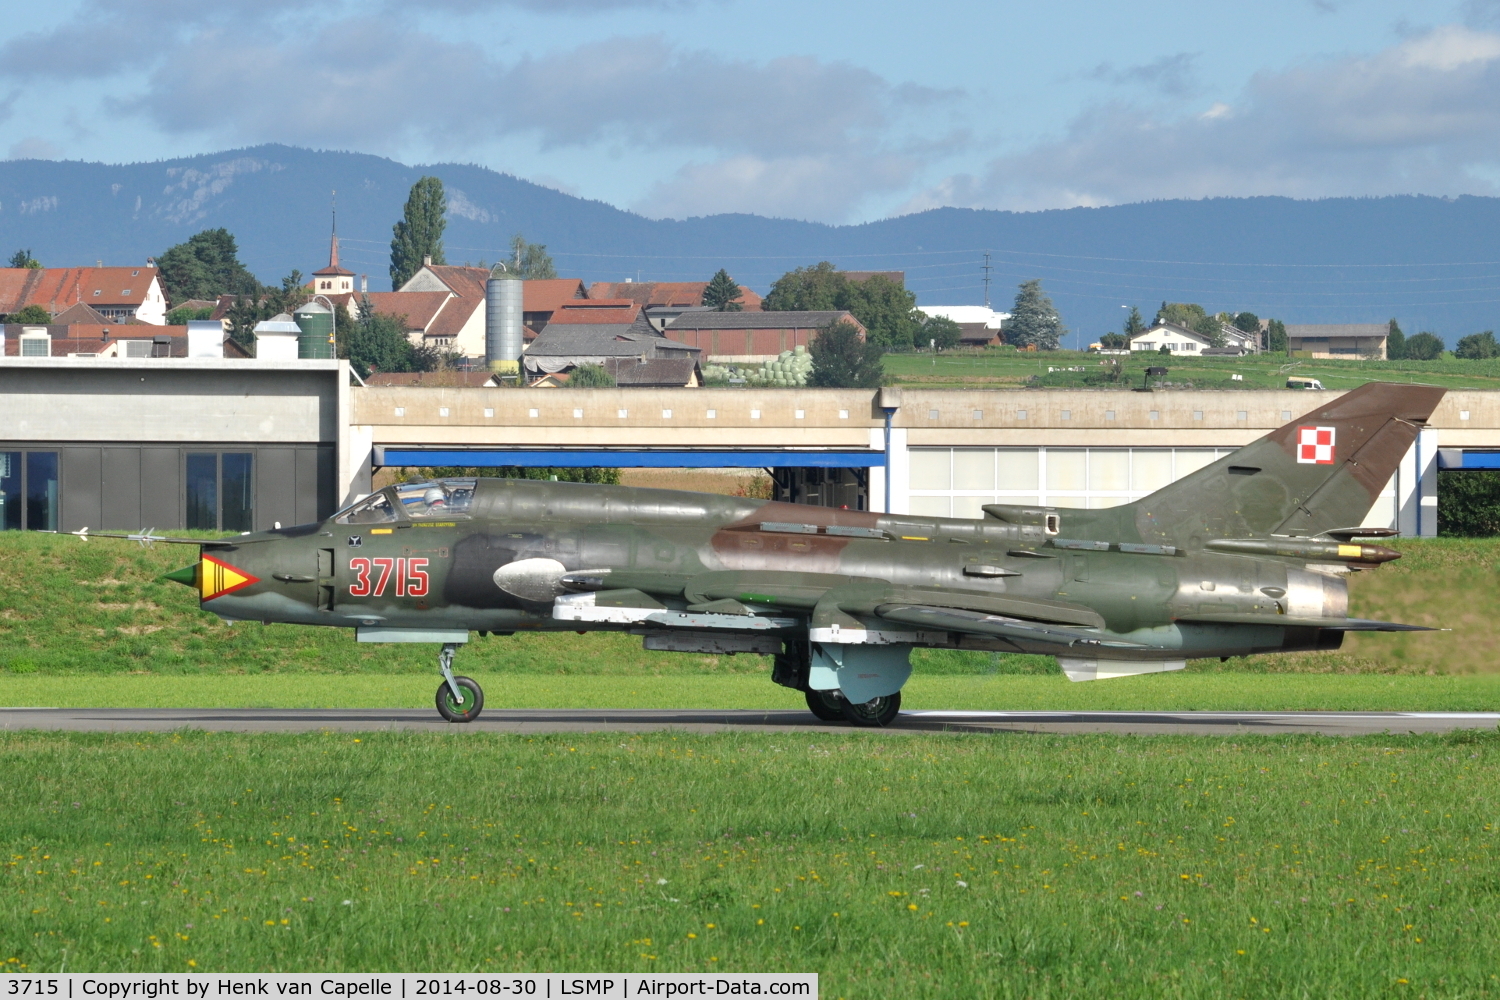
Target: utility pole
x,y
987,270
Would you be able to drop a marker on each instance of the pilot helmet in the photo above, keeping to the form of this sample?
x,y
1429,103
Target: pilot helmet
x,y
434,497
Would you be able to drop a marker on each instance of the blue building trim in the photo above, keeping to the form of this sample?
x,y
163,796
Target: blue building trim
x,y
1457,458
626,458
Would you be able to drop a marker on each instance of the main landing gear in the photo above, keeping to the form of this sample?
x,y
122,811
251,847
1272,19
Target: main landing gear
x,y
832,706
459,699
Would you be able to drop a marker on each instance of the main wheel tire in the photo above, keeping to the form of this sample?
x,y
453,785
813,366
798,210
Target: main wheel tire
x,y
454,712
825,705
879,712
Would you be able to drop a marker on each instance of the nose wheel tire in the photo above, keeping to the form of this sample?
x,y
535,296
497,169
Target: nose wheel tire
x,y
879,712
825,705
451,710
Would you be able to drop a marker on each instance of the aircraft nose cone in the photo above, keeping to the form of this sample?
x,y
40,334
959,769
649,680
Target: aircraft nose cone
x,y
187,576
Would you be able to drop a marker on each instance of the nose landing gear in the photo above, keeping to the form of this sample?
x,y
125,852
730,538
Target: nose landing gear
x,y
459,699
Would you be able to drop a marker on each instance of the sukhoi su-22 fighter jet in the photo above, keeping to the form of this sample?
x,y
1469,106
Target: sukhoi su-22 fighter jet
x,y
1247,555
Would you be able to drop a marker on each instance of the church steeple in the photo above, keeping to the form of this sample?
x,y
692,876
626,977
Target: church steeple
x,y
333,279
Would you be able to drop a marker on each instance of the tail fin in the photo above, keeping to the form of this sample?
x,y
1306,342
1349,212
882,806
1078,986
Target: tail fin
x,y
1322,471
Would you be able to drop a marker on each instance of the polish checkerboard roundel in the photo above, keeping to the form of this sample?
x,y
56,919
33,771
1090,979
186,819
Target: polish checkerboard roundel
x,y
1315,445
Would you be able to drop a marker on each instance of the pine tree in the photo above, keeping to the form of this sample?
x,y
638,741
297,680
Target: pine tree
x,y
1034,321
206,266
1276,337
722,294
23,258
419,234
842,359
1134,324
1395,342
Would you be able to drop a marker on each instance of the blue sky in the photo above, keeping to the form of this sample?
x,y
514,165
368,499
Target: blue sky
x,y
833,111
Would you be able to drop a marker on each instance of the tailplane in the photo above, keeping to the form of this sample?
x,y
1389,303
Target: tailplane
x,y
1322,472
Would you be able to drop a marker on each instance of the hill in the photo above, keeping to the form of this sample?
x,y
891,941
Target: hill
x,y
1431,262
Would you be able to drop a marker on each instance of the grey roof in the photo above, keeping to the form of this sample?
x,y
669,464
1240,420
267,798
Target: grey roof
x,y
618,340
754,320
675,372
1320,330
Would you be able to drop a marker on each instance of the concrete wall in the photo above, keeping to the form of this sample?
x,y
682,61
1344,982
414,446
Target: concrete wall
x,y
1192,423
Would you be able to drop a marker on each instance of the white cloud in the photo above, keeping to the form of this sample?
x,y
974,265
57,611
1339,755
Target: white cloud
x,y
1421,116
823,187
1173,75
34,147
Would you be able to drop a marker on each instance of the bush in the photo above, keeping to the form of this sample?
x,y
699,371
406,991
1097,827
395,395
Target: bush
x,y
1424,347
1477,347
1469,503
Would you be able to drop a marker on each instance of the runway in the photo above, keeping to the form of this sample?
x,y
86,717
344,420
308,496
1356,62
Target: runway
x,y
539,720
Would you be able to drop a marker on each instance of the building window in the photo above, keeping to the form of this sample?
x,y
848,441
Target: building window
x,y
28,490
220,491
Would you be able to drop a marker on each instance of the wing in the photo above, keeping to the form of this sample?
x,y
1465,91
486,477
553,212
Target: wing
x,y
979,623
148,537
1288,621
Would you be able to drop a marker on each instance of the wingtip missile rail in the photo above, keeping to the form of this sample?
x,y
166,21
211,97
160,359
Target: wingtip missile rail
x,y
1307,548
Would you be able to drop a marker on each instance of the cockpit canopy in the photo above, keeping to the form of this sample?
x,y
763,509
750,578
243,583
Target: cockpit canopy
x,y
442,498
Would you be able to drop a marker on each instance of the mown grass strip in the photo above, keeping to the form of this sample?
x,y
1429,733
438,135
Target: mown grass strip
x,y
924,866
1167,692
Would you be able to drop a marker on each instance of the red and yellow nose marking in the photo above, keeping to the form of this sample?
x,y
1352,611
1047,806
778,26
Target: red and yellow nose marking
x,y
215,578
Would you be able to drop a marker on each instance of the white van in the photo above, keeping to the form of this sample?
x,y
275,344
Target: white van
x,y
1303,383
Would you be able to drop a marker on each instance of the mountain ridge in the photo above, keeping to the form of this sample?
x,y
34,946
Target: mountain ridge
x,y
1429,261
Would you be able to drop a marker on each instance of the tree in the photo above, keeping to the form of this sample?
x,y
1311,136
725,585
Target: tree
x,y
1034,321
842,359
590,377
529,260
1424,347
205,267
1134,324
248,310
186,314
1276,342
1247,322
376,342
807,288
23,258
33,314
419,234
1395,342
722,294
1477,347
940,329
887,311
1114,342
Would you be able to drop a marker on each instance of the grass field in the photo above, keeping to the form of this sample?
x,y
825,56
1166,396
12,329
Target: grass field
x,y
999,368
896,867
992,692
